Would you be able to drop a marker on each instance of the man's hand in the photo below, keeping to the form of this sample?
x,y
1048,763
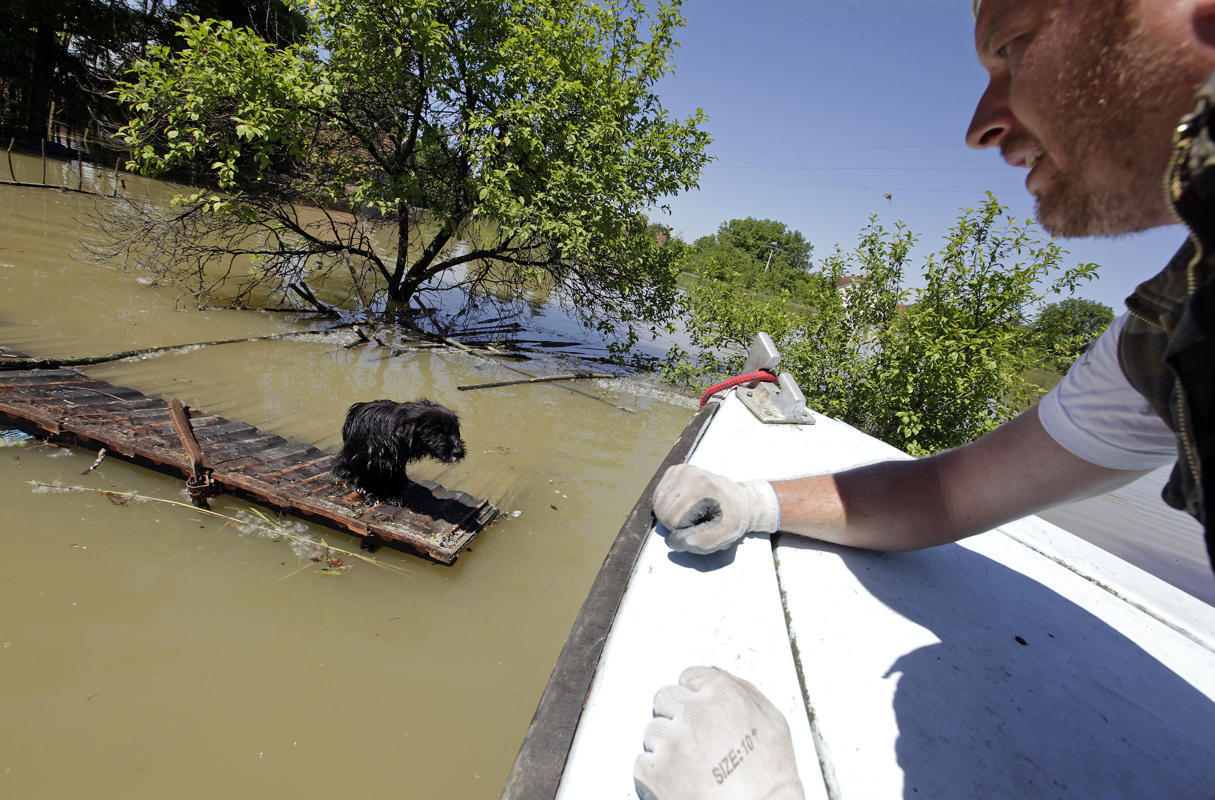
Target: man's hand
x,y
705,512
716,736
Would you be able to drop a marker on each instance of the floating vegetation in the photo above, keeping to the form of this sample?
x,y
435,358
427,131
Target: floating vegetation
x,y
49,488
334,567
256,522
250,522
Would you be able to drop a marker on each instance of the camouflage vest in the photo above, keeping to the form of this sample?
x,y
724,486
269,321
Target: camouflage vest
x,y
1167,348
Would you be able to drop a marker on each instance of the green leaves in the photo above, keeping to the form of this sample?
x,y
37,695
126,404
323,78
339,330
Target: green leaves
x,y
1063,330
228,97
926,367
761,255
536,119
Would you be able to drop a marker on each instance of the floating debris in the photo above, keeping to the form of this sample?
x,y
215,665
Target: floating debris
x,y
48,488
433,521
334,567
253,521
97,463
15,438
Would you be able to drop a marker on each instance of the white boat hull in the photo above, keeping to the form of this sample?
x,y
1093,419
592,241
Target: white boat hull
x,y
1022,662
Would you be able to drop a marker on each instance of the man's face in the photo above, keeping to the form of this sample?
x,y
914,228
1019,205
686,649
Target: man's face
x,y
1086,94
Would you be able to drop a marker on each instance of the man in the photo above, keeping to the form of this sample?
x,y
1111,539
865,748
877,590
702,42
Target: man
x,y
1086,94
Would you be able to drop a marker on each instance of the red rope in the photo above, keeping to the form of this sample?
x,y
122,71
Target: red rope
x,y
759,376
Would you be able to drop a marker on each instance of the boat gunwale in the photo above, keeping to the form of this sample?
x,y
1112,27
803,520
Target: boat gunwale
x,y
540,763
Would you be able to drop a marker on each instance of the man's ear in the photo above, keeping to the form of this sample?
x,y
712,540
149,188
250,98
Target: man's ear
x,y
1204,22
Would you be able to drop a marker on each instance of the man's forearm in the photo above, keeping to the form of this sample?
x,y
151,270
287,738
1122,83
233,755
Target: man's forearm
x,y
905,505
894,505
1015,470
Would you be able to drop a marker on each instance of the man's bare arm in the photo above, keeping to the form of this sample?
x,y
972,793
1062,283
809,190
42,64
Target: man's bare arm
x,y
1016,470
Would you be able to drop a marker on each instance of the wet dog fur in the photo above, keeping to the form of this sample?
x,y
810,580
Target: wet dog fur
x,y
380,438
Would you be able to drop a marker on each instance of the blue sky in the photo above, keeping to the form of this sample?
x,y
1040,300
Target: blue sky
x,y
820,108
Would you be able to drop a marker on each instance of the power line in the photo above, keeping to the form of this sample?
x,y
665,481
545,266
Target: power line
x,y
840,186
873,169
835,149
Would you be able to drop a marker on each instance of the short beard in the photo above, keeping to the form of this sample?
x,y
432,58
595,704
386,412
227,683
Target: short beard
x,y
1072,209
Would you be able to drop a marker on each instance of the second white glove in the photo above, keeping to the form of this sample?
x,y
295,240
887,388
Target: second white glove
x,y
716,736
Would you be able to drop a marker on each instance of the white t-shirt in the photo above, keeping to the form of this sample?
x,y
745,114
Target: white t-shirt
x,y
1096,414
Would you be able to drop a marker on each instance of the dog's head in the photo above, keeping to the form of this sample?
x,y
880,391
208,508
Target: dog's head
x,y
429,429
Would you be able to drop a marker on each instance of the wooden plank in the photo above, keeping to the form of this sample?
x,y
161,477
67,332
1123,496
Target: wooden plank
x,y
142,412
199,421
320,465
213,428
275,460
81,397
266,468
16,412
155,441
222,427
240,453
37,376
321,482
108,405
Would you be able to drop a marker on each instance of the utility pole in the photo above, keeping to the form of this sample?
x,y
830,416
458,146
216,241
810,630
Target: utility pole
x,y
772,248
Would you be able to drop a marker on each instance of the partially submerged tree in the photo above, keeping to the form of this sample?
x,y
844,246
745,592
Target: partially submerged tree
x,y
415,145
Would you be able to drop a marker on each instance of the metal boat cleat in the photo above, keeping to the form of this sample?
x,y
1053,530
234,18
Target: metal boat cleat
x,y
778,403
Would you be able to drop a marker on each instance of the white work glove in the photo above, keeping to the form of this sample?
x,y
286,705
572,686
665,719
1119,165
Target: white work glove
x,y
716,737
705,512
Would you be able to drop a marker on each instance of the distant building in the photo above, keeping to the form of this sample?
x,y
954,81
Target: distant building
x,y
845,286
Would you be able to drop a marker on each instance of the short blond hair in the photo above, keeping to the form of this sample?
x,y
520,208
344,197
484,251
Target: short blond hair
x,y
974,7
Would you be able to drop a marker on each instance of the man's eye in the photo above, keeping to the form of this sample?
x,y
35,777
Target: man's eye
x,y
1011,49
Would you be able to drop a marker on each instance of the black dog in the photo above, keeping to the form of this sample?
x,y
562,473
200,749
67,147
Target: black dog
x,y
381,437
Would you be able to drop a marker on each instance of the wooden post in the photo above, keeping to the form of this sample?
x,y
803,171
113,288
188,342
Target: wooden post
x,y
44,162
199,482
11,173
117,158
181,423
84,143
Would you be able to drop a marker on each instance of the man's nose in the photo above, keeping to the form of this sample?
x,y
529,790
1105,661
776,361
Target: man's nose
x,y
993,119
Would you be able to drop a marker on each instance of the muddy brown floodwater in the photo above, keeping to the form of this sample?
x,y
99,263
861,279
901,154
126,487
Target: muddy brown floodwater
x,y
148,651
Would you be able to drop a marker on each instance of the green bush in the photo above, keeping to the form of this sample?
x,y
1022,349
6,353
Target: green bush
x,y
1063,330
923,368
